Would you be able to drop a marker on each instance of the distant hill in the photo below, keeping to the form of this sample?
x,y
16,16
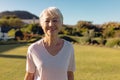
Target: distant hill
x,y
19,14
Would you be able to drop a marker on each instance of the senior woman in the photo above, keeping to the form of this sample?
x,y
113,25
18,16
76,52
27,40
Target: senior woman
x,y
50,58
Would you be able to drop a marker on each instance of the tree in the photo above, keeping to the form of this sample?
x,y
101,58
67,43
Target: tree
x,y
83,26
36,29
19,35
12,21
109,29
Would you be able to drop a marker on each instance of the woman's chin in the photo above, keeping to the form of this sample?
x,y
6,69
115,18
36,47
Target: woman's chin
x,y
52,34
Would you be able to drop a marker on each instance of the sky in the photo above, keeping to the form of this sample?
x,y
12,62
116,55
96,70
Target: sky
x,y
96,11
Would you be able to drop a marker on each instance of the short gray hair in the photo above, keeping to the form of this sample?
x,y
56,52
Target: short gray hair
x,y
53,11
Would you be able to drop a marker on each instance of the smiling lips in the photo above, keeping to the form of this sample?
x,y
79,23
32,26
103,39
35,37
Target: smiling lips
x,y
52,29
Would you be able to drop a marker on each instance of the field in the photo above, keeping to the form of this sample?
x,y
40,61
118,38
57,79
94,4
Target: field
x,y
92,62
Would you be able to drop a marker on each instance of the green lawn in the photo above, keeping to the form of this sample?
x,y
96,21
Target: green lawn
x,y
97,63
12,61
92,63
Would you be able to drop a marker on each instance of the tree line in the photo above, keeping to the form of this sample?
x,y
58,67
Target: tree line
x,y
81,29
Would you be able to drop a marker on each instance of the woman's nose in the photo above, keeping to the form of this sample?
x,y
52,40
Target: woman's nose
x,y
51,23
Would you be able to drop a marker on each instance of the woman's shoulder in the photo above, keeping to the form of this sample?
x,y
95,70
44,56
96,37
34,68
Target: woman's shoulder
x,y
35,44
68,46
67,43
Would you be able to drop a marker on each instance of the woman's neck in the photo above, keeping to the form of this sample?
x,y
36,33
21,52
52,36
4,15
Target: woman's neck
x,y
51,41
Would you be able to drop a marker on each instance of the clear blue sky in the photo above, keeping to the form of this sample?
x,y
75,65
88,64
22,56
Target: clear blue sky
x,y
97,11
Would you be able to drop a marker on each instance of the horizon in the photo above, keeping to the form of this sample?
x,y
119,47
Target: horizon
x,y
98,12
38,17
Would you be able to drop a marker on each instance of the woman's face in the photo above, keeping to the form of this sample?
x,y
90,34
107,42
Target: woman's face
x,y
51,25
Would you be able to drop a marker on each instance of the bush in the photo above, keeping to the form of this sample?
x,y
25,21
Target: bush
x,y
11,33
68,38
84,40
19,35
101,41
113,42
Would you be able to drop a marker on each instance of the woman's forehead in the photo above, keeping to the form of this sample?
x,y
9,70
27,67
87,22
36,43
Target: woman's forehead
x,y
50,16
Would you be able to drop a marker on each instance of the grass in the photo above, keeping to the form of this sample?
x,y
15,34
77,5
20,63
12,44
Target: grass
x,y
12,62
97,63
92,63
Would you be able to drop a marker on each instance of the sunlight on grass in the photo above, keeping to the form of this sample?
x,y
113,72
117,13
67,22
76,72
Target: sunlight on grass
x,y
97,63
92,62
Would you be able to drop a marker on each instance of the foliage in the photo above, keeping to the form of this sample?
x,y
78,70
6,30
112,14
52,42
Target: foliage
x,y
19,35
8,16
17,23
11,21
83,40
100,40
66,30
83,24
109,32
4,22
36,29
27,28
32,28
11,33
117,33
115,42
83,29
110,28
68,38
20,14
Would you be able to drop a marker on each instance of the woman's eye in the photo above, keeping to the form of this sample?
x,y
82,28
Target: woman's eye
x,y
46,21
55,20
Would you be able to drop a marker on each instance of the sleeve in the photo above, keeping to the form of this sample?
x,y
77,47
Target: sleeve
x,y
71,66
30,66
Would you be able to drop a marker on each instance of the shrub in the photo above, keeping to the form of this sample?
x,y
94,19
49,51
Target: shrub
x,y
101,41
68,38
113,42
11,33
84,40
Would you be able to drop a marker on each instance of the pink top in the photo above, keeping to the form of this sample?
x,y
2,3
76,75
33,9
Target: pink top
x,y
49,67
